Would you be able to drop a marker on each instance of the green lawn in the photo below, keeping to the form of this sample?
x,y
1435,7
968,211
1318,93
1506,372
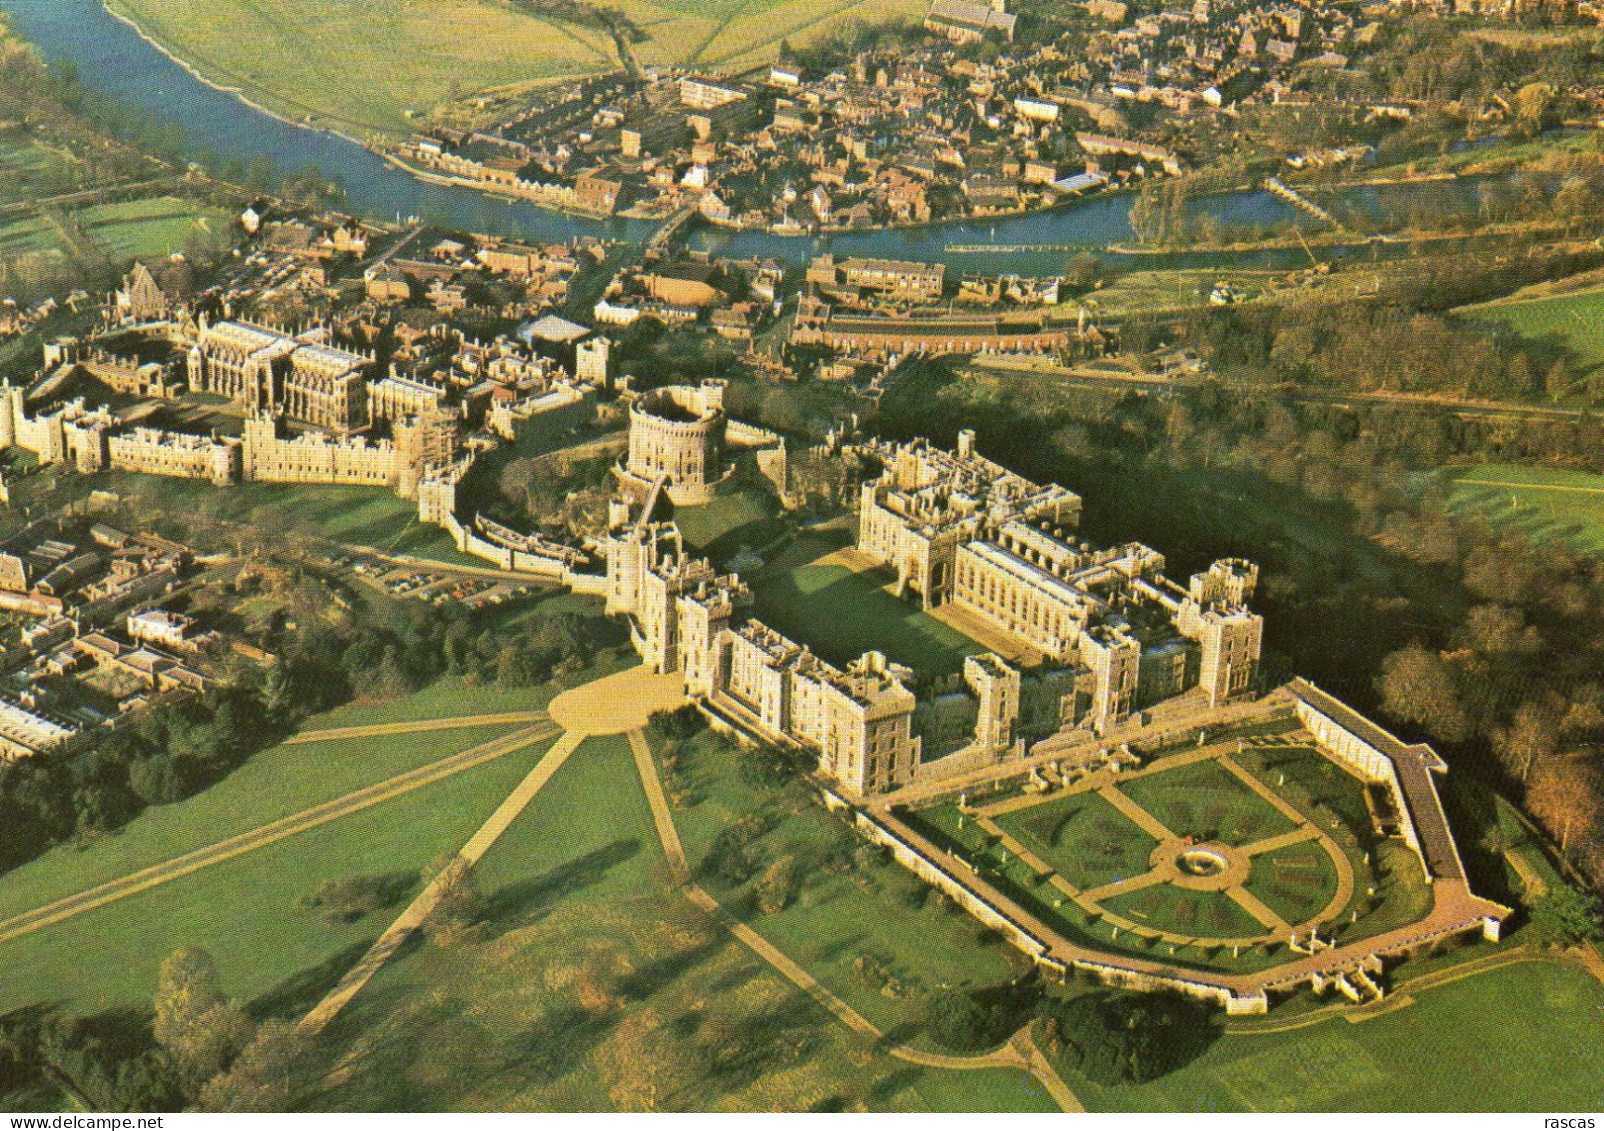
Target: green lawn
x,y
842,614
1544,505
246,910
1083,838
589,985
1204,800
148,227
744,517
1181,911
1576,321
1296,882
275,783
1521,1038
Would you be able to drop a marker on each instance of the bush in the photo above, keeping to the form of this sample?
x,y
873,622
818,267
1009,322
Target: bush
x,y
1568,915
344,901
679,724
1124,1037
777,886
976,1020
771,765
733,858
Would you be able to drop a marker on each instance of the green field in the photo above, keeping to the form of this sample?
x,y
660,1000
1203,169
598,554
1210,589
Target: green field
x,y
134,229
841,614
363,64
1204,800
149,227
1575,321
273,784
360,64
1083,838
246,911
1544,505
1521,1038
588,984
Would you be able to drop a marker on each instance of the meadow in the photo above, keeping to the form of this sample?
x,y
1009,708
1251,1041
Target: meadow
x,y
362,64
374,67
247,910
1522,1037
273,784
1574,320
1544,505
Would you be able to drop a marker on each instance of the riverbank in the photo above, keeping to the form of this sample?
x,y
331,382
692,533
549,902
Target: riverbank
x,y
233,91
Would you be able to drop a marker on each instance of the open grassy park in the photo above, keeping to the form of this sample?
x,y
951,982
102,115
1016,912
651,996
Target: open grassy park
x,y
1544,505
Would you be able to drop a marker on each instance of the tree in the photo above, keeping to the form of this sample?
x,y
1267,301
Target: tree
x,y
777,886
1125,1037
1563,798
1568,915
261,1078
1531,739
975,1020
198,1026
1417,686
1533,103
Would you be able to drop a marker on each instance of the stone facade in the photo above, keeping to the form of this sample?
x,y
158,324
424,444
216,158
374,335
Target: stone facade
x,y
267,369
677,433
957,528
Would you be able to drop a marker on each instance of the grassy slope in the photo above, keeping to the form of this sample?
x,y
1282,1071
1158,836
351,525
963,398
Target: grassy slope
x,y
1576,320
1544,504
591,986
245,911
338,60
273,784
1523,1038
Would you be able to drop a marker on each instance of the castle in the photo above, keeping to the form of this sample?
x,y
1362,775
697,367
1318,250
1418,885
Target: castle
x,y
264,369
1105,632
677,433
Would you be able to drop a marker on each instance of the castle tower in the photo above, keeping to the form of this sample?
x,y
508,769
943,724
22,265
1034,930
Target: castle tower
x,y
11,411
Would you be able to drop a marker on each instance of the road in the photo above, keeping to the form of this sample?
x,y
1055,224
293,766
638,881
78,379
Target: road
x,y
190,862
415,726
1108,379
1020,1052
419,910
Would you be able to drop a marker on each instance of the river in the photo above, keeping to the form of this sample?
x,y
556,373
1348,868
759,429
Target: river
x,y
113,58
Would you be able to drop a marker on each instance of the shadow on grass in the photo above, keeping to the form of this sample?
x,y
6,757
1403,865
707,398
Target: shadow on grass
x,y
526,900
297,994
